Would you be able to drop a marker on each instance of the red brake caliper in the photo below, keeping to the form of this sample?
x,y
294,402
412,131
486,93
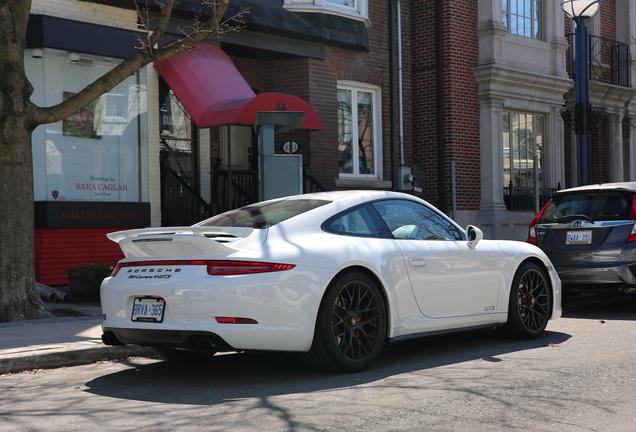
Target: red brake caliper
x,y
359,317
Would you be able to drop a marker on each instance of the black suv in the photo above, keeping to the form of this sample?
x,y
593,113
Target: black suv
x,y
588,232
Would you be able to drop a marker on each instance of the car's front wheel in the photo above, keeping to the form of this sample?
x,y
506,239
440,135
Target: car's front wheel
x,y
530,303
351,325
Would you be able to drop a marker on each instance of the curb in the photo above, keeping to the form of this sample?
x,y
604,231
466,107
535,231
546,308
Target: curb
x,y
58,357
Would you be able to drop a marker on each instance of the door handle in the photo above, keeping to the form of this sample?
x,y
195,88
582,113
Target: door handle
x,y
417,263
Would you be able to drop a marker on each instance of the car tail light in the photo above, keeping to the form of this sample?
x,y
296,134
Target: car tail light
x,y
216,268
156,263
532,235
632,216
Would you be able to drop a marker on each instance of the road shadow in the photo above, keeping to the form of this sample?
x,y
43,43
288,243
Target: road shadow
x,y
600,307
236,376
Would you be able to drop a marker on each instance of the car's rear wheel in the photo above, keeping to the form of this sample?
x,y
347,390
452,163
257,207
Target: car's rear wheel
x,y
183,355
351,325
530,303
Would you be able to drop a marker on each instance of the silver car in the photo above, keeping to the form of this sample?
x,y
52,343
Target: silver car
x,y
589,234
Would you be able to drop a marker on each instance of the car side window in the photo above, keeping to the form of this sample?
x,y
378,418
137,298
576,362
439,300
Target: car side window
x,y
360,221
414,221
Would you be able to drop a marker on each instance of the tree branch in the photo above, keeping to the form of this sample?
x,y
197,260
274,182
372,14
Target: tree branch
x,y
146,54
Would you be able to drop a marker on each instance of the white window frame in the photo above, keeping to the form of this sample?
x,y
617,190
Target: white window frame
x,y
376,93
359,10
353,4
508,15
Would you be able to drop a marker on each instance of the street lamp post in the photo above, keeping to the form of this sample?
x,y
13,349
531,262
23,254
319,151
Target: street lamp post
x,y
581,11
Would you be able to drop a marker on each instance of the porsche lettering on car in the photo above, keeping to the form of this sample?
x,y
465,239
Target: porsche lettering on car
x,y
334,276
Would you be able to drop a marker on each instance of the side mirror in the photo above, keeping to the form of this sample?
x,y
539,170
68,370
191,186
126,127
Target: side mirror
x,y
474,235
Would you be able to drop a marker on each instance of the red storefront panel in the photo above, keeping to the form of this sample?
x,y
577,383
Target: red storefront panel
x,y
57,249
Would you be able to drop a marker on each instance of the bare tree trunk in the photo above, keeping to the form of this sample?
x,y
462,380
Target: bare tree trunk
x,y
19,299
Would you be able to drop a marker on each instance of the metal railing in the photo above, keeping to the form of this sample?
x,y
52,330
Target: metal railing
x,y
243,188
310,184
523,198
609,60
233,190
180,204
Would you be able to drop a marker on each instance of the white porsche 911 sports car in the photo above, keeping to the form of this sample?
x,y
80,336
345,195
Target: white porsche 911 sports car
x,y
335,276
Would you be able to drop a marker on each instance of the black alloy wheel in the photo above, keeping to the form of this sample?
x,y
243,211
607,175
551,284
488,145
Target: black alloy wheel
x,y
351,326
530,303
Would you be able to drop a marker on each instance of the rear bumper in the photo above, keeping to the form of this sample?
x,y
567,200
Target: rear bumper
x,y
194,340
598,279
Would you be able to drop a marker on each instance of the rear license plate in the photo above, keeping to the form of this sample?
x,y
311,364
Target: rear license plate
x,y
578,237
148,309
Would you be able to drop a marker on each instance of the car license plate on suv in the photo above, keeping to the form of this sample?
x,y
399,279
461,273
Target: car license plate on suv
x,y
148,309
578,237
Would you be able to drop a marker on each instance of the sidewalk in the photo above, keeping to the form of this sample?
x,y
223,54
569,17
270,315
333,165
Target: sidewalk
x,y
71,338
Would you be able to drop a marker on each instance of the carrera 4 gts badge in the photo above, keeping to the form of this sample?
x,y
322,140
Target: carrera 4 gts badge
x,y
157,276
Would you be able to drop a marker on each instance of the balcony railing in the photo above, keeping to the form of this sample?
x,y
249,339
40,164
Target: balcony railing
x,y
609,60
522,198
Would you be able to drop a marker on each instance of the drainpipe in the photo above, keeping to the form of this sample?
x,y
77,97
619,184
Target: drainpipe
x,y
400,85
403,178
441,159
392,96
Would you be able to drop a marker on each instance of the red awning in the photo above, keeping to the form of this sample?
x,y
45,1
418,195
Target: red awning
x,y
215,93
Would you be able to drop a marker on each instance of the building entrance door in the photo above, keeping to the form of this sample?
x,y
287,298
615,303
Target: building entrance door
x,y
181,203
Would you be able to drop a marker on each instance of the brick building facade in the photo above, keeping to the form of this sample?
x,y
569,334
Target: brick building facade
x,y
500,73
464,95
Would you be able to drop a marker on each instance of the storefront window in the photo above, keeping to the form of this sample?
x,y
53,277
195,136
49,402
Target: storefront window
x,y
94,154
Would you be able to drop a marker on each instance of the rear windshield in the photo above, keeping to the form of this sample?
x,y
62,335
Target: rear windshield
x,y
263,215
599,206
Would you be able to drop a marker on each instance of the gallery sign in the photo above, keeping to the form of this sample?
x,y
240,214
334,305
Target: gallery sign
x,y
82,214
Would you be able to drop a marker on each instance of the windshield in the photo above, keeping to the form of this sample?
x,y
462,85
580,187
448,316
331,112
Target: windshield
x,y
599,206
263,215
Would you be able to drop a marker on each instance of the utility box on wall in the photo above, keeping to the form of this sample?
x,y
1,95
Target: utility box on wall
x,y
404,179
281,175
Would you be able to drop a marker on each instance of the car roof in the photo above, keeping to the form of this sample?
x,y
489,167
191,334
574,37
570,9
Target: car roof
x,y
625,186
351,195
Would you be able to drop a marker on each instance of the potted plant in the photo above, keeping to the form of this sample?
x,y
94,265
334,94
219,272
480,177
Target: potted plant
x,y
84,280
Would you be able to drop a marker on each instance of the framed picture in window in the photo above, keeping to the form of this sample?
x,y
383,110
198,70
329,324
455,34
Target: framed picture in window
x,y
83,123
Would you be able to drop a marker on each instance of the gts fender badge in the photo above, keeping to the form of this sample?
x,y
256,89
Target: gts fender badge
x,y
489,308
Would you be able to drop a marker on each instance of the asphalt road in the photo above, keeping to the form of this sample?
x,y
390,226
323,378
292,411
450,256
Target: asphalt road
x,y
579,376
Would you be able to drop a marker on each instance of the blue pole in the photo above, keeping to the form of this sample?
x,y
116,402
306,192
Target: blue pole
x,y
582,110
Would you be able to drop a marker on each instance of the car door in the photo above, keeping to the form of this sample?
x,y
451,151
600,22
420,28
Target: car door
x,y
448,278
